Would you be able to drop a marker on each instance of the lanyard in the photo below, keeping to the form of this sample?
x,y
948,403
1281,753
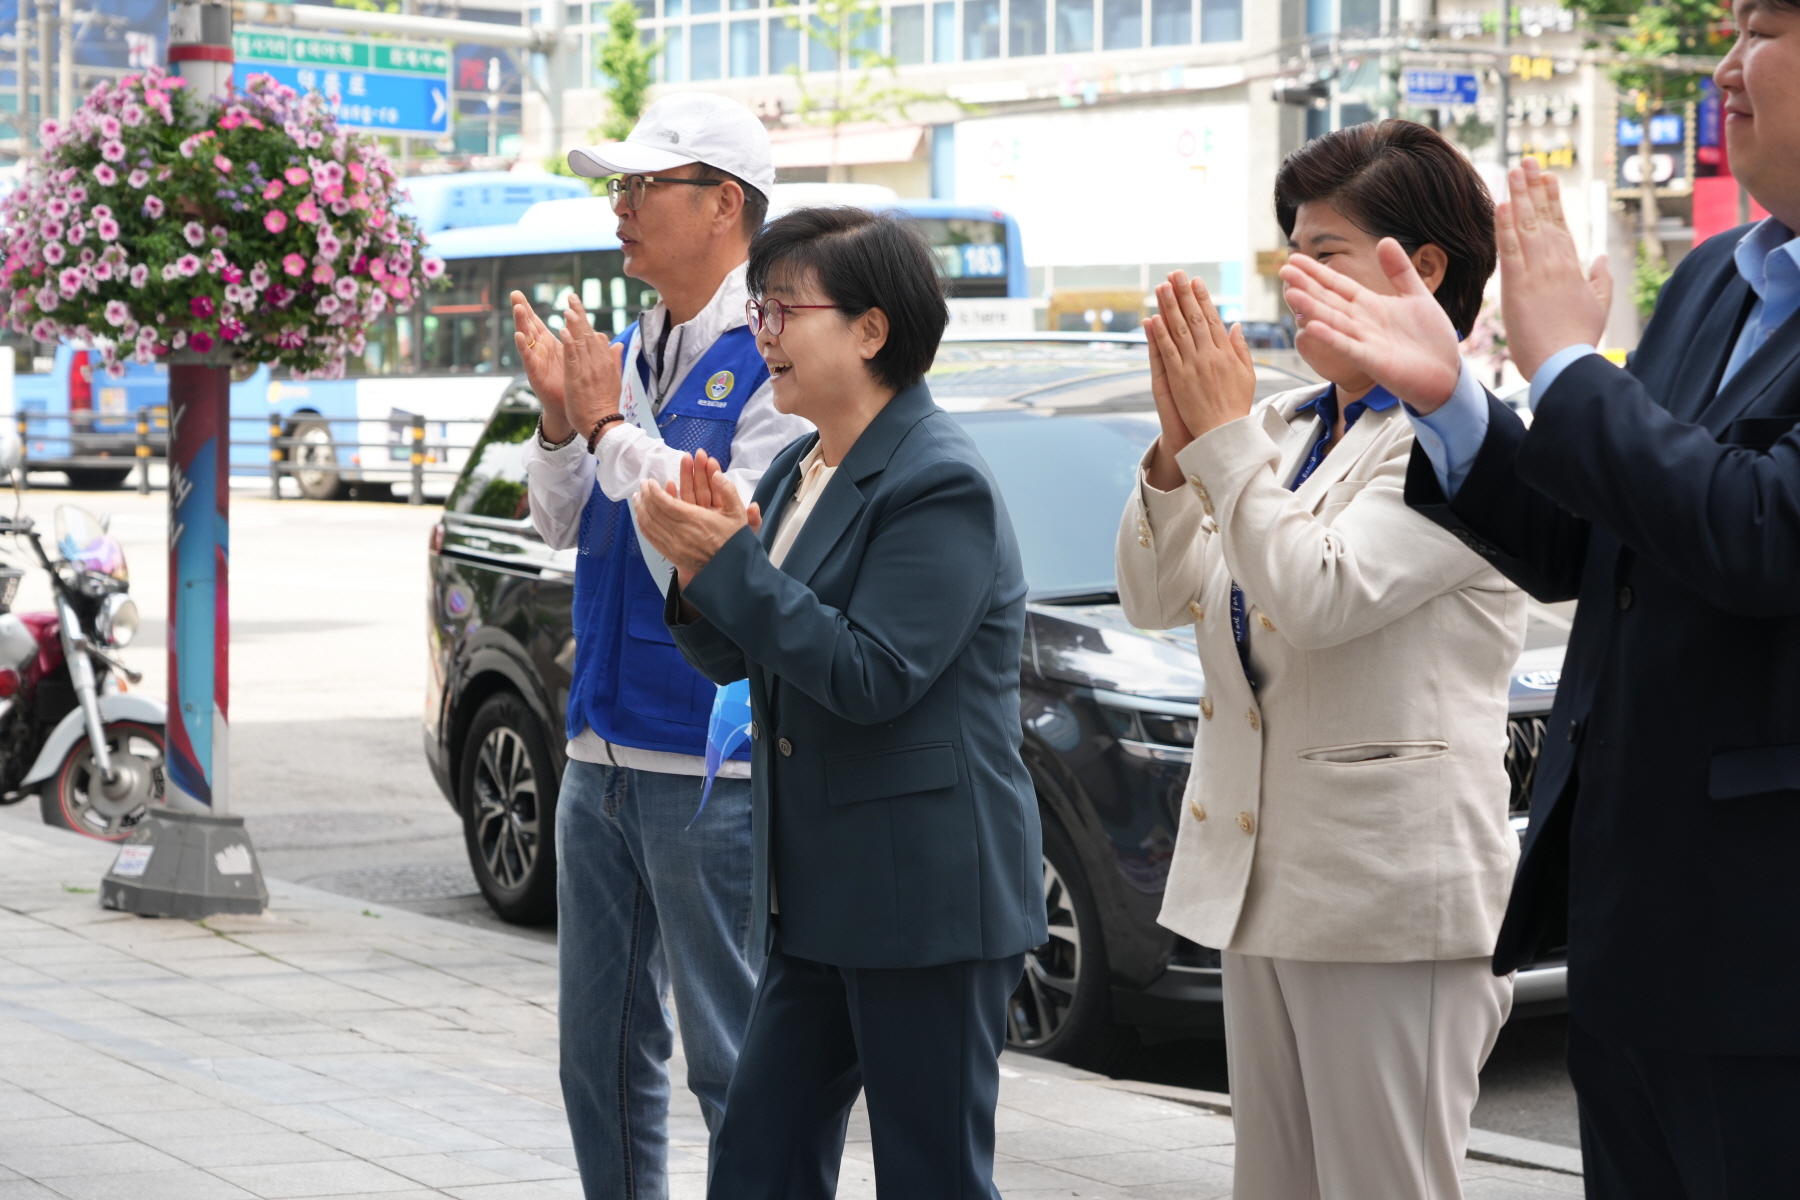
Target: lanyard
x,y
636,406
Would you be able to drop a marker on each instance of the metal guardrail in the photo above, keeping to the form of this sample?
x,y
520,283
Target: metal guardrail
x,y
421,457
150,426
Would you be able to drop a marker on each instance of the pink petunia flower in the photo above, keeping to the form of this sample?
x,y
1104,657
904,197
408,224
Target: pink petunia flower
x,y
201,340
201,306
259,277
140,275
103,270
112,150
51,230
117,312
360,200
70,280
222,163
53,252
105,174
132,115
293,264
327,305
188,265
138,177
345,288
153,207
109,127
433,267
232,273
275,220
195,233
307,211
47,300
323,273
101,212
274,190
58,208
107,228
296,175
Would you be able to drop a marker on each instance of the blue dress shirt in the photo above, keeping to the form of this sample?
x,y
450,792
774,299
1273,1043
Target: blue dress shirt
x,y
1768,257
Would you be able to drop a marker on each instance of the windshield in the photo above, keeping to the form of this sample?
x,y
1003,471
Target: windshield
x,y
1065,478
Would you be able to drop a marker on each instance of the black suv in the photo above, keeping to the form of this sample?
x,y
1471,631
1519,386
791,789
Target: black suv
x,y
1108,710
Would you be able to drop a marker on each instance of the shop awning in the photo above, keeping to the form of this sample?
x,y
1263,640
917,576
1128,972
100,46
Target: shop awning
x,y
857,145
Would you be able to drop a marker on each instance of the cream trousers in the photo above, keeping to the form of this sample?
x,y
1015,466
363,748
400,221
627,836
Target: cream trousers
x,y
1355,1081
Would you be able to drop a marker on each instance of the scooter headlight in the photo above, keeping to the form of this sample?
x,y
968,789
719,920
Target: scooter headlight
x,y
117,623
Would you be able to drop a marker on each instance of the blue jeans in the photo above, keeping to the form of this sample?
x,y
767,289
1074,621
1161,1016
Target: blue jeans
x,y
645,905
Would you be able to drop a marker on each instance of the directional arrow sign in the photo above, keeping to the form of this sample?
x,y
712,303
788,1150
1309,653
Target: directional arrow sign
x,y
377,85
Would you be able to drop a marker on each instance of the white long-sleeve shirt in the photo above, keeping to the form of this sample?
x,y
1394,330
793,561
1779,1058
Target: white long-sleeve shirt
x,y
561,480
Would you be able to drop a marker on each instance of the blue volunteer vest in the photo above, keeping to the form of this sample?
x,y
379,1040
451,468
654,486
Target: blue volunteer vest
x,y
631,685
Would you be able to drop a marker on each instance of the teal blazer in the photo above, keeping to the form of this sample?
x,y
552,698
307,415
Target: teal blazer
x,y
893,815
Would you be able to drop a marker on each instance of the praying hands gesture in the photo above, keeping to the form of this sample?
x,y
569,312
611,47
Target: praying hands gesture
x,y
575,374
689,521
1201,374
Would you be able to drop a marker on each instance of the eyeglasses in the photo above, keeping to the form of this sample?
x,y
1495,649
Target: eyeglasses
x,y
772,313
632,187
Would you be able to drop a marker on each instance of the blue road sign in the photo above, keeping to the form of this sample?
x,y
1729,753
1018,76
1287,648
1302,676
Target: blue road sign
x,y
377,102
1442,87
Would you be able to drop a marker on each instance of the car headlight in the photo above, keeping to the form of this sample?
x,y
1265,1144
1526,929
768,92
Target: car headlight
x,y
1156,729
117,622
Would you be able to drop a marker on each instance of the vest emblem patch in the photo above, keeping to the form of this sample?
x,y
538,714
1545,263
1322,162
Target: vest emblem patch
x,y
719,387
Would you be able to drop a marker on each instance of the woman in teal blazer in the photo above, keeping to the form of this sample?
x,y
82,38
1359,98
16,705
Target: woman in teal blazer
x,y
878,613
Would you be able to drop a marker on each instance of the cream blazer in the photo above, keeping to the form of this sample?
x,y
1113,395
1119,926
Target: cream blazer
x,y
1353,807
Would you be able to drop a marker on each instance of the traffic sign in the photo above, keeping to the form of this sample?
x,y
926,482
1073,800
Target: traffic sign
x,y
379,86
1442,87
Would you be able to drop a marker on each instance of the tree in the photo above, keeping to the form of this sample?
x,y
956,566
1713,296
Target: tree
x,y
851,31
1648,34
626,62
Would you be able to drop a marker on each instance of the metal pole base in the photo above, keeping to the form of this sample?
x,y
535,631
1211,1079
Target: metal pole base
x,y
185,865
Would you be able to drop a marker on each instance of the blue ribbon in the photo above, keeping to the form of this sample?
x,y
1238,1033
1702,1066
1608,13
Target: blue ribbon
x,y
728,729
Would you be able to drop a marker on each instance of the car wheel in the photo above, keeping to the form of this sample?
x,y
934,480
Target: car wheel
x,y
312,446
78,797
97,479
508,798
1062,1008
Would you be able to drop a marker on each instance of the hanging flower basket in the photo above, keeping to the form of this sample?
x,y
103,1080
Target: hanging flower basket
x,y
252,229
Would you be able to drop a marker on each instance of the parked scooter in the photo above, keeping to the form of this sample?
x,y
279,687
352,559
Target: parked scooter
x,y
92,752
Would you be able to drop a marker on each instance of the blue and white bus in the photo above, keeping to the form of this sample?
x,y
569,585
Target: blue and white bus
x,y
447,361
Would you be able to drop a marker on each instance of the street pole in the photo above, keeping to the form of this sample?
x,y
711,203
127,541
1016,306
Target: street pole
x,y
65,74
44,43
1503,125
202,861
22,80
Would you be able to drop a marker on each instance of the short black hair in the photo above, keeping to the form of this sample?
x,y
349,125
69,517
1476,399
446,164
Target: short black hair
x,y
862,260
756,205
1403,180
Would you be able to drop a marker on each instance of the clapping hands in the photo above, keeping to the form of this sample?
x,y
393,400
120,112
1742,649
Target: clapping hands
x,y
575,373
1201,374
687,520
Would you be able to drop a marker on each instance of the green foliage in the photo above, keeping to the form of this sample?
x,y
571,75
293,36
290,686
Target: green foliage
x,y
626,62
1647,280
851,31
369,6
1647,30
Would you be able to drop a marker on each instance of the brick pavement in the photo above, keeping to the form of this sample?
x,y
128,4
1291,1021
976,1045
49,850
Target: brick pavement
x,y
336,1049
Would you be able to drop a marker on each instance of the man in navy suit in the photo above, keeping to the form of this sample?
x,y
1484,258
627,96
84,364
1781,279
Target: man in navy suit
x,y
1665,823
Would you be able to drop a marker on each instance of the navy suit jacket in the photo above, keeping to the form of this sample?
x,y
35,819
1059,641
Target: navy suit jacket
x,y
892,811
1665,820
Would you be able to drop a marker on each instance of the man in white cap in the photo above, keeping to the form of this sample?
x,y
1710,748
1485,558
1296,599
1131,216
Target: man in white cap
x,y
653,891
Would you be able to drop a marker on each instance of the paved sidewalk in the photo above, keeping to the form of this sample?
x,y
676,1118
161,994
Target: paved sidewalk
x,y
333,1048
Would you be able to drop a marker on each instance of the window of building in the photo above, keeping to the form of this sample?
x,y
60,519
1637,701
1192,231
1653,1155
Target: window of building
x,y
943,31
1321,16
674,55
1171,22
701,8
1122,24
745,5
1221,20
907,34
746,48
981,29
1074,26
784,45
1027,30
1359,16
821,52
703,50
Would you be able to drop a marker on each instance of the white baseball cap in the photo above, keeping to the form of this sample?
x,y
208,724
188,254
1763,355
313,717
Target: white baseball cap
x,y
685,128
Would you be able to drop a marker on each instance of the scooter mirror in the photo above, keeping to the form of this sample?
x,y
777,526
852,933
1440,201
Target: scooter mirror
x,y
12,454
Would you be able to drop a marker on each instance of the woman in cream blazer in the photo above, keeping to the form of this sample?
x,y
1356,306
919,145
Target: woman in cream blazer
x,y
1344,836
